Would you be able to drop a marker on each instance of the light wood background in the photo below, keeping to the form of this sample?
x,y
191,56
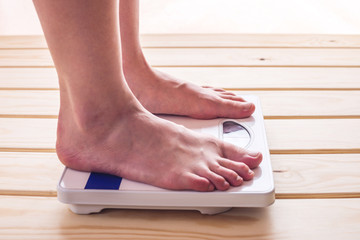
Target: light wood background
x,y
309,87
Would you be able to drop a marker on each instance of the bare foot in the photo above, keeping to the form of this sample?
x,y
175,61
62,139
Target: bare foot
x,y
103,128
161,93
142,147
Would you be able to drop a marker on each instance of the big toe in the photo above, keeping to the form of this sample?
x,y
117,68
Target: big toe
x,y
232,152
253,159
235,109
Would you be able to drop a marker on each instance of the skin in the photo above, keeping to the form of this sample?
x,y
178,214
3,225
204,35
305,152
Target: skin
x,y
104,126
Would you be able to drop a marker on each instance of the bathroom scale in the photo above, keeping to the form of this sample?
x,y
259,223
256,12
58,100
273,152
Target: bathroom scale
x,y
90,192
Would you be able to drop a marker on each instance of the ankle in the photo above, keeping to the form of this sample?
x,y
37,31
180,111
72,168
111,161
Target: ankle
x,y
94,104
135,62
96,115
78,134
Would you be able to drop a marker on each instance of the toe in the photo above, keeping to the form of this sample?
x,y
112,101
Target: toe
x,y
233,97
194,182
231,176
235,109
214,89
240,168
234,153
217,180
220,90
253,159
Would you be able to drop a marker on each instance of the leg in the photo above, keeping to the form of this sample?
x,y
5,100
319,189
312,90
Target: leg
x,y
169,91
103,128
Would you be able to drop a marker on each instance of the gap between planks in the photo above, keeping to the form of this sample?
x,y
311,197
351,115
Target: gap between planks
x,y
210,57
213,66
228,89
274,151
211,47
212,40
22,193
265,117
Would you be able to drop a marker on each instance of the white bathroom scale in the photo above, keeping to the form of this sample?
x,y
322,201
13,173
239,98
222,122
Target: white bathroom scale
x,y
89,192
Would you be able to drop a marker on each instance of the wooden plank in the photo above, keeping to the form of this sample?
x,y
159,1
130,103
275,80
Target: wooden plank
x,y
27,133
225,77
46,218
270,78
320,175
309,103
253,57
313,136
22,42
210,57
25,57
28,102
212,40
296,176
29,78
275,104
284,136
250,40
29,173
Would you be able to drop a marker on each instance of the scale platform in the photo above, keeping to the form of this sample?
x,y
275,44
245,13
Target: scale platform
x,y
87,192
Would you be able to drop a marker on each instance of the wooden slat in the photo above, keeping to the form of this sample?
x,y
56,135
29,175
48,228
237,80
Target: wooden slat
x,y
46,218
22,42
25,57
253,57
320,175
210,57
212,40
28,102
29,173
225,77
284,136
270,78
313,136
296,176
250,40
28,78
300,104
27,133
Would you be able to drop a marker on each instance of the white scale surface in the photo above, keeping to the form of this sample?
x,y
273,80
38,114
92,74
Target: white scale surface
x,y
259,192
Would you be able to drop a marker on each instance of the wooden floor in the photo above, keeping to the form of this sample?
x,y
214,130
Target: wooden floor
x,y
309,86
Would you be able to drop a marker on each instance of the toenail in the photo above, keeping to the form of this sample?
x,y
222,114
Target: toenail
x,y
250,172
239,179
247,107
211,188
253,154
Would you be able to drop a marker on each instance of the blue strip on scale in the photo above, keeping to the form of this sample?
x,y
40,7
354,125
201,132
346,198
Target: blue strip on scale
x,y
103,181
